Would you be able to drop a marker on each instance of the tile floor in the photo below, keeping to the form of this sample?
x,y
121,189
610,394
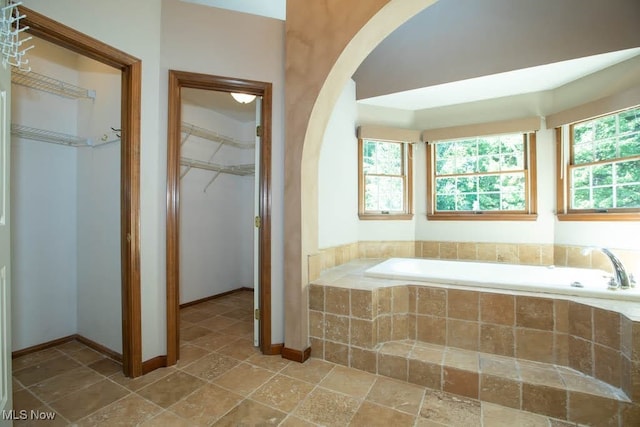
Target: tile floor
x,y
222,379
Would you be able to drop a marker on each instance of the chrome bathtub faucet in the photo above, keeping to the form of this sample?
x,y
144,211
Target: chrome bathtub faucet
x,y
620,279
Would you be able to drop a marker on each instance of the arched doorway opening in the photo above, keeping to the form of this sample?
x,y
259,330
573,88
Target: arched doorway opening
x,y
314,82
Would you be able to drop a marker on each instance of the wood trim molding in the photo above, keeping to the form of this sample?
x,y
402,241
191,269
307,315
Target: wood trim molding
x,y
223,294
173,219
178,80
560,171
274,349
131,99
296,355
483,217
43,346
54,343
99,348
153,364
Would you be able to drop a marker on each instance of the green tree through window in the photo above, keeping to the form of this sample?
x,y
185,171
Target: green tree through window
x,y
385,179
481,174
604,169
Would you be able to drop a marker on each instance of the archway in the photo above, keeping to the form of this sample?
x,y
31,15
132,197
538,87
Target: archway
x,y
316,73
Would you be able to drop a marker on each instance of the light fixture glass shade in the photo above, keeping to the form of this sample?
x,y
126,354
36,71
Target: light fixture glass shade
x,y
243,98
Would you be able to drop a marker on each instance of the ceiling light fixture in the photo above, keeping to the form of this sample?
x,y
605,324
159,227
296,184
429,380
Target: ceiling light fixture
x,y
243,98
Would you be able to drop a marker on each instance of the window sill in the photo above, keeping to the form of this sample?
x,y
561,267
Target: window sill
x,y
385,217
597,216
482,217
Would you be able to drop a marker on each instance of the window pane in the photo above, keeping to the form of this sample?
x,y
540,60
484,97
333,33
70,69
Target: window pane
x,y
630,121
610,183
627,172
628,196
489,163
512,162
511,143
382,158
603,197
467,164
581,199
467,185
602,174
489,202
606,150
472,158
581,177
384,193
489,183
445,150
630,145
513,182
488,146
466,202
513,200
605,127
583,132
582,153
446,166
446,203
445,185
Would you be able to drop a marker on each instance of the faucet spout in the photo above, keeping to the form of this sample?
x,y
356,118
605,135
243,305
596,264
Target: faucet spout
x,y
620,273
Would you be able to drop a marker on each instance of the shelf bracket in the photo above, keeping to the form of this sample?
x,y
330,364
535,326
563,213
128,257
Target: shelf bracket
x,y
182,175
212,179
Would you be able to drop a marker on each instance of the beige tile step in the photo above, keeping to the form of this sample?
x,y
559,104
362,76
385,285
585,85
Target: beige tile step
x,y
542,388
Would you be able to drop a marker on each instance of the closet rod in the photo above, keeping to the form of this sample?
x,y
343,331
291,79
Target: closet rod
x,y
241,170
194,130
49,84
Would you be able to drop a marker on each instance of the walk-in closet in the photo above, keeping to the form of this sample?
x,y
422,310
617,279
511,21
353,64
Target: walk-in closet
x,y
65,200
217,188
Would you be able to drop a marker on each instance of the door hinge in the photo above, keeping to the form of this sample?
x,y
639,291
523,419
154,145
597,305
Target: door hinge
x,y
256,314
258,222
259,131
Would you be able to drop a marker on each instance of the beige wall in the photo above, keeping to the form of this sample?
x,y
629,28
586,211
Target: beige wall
x,y
221,42
324,45
134,27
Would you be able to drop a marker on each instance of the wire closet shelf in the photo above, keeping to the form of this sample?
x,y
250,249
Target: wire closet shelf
x,y
49,84
189,129
48,136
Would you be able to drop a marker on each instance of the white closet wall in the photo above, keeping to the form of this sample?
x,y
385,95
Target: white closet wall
x,y
65,205
99,274
216,227
43,208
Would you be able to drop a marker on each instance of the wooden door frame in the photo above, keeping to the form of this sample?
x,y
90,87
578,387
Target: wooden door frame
x,y
131,98
177,81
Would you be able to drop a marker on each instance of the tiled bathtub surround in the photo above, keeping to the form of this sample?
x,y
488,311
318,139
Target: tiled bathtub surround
x,y
512,253
547,355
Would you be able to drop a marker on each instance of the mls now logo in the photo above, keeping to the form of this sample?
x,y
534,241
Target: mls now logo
x,y
28,415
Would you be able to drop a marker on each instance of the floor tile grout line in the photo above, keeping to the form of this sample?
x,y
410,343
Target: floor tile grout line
x,y
105,406
83,388
13,372
74,391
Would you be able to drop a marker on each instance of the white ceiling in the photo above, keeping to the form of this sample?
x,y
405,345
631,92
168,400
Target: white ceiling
x,y
269,8
528,80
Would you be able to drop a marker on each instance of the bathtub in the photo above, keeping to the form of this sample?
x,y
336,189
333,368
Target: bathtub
x,y
546,279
